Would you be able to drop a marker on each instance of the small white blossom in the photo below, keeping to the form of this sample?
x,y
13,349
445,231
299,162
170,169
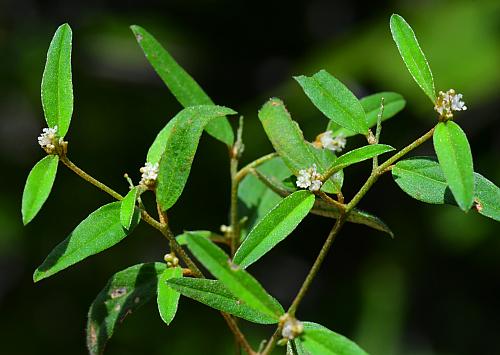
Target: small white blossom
x,y
449,101
149,174
292,328
327,141
48,139
309,178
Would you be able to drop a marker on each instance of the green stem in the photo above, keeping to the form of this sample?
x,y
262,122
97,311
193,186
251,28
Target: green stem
x,y
248,168
317,264
89,178
235,223
376,173
308,280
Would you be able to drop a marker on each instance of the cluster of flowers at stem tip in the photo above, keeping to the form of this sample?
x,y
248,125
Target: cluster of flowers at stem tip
x,y
291,327
309,178
49,140
447,102
149,174
326,140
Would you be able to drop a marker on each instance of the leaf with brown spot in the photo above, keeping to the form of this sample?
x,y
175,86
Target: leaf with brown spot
x,y
125,292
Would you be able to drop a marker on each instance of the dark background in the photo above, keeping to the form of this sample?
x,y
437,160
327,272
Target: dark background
x,y
434,289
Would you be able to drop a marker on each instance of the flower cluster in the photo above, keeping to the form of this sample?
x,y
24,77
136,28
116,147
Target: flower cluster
x,y
327,141
292,327
149,174
447,102
48,139
309,178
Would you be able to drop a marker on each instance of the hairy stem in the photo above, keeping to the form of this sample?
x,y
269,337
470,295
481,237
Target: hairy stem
x,y
248,168
308,280
317,264
89,178
235,223
376,173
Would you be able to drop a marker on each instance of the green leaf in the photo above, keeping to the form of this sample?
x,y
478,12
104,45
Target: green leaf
x,y
127,208
99,231
487,195
360,154
182,238
288,141
274,227
455,158
180,83
215,295
168,298
335,100
180,149
57,88
240,283
357,216
317,339
412,55
124,293
393,104
159,144
38,186
423,179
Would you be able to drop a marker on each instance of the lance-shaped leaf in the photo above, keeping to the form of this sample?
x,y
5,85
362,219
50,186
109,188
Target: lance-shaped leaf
x,y
335,100
412,55
423,179
124,293
486,197
215,295
180,83
180,149
239,282
274,227
38,186
182,238
159,144
317,339
455,158
57,87
288,141
393,103
99,231
321,208
168,298
359,155
127,208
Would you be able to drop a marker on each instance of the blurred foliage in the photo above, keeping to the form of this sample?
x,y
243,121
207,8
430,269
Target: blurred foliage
x,y
432,290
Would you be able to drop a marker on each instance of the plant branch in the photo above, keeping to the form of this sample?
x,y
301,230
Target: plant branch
x,y
165,230
376,173
317,264
89,178
248,168
308,280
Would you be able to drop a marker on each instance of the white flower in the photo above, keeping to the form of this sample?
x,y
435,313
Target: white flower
x,y
292,328
309,178
149,174
327,141
48,139
449,101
